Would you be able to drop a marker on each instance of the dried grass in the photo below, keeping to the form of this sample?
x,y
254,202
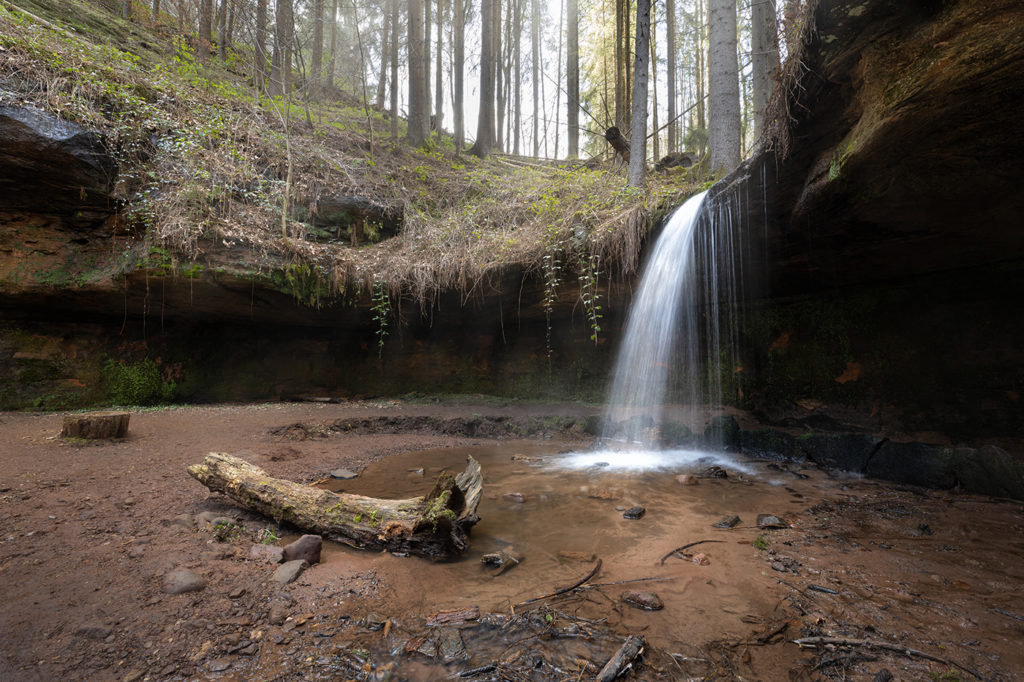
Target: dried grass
x,y
779,112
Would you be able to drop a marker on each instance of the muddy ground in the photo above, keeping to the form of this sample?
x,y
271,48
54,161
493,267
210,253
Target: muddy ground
x,y
922,584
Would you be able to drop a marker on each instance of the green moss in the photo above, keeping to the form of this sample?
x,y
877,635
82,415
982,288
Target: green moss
x,y
138,383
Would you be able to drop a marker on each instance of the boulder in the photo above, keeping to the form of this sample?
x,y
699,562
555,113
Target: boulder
x,y
306,548
915,463
846,451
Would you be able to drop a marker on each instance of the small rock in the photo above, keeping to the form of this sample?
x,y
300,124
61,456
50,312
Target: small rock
x,y
776,566
515,497
237,593
307,548
218,665
374,622
204,520
649,601
278,614
134,675
687,479
168,670
634,513
770,521
250,650
714,472
701,559
525,458
604,494
727,522
182,580
235,648
96,631
416,472
344,474
882,675
272,554
289,571
136,551
450,645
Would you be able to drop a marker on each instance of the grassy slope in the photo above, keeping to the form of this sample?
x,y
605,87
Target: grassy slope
x,y
205,161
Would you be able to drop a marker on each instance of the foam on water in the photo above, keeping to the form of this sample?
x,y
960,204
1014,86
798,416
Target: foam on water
x,y
640,459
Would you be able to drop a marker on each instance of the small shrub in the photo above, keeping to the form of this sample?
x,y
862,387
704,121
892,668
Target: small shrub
x,y
139,383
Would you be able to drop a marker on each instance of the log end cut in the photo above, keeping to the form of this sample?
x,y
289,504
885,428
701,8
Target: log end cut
x,y
95,425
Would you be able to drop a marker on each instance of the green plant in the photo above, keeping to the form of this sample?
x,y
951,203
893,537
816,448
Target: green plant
x,y
381,308
266,536
589,295
138,383
760,543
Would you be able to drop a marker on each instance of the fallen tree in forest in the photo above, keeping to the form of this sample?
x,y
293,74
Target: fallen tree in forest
x,y
436,525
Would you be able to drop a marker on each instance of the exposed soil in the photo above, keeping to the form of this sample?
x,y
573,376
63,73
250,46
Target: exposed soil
x,y
88,537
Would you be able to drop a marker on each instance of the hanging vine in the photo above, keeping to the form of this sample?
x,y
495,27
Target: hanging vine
x,y
381,308
590,273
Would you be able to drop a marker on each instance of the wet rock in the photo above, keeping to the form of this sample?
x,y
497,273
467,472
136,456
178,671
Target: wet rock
x,y
722,433
648,601
515,497
374,622
714,472
289,571
208,520
727,522
417,472
914,463
182,580
525,458
634,513
770,521
503,560
344,474
687,479
426,646
450,646
769,444
846,451
674,434
701,559
604,493
990,471
96,631
776,566
306,548
454,616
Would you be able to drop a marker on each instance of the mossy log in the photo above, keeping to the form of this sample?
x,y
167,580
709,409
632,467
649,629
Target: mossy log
x,y
436,525
95,425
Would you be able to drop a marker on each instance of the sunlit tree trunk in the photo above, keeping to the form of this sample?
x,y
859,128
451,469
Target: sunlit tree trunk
x,y
260,45
485,117
701,69
458,57
764,47
426,58
385,56
333,61
156,11
638,137
222,30
499,90
535,71
439,69
651,31
723,85
417,120
126,9
572,77
517,106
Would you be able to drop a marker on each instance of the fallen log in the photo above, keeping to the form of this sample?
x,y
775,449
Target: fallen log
x,y
629,650
436,525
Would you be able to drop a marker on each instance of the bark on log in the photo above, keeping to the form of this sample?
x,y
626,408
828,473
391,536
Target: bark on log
x,y
629,650
95,425
436,525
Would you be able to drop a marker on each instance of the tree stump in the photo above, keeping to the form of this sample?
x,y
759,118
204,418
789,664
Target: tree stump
x,y
95,425
435,525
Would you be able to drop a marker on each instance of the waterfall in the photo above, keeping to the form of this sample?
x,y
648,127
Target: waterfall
x,y
673,348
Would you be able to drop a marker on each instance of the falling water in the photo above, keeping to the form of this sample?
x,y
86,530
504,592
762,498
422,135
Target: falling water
x,y
673,348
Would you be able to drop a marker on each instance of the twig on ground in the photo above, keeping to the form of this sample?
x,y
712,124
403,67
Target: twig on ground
x,y
563,590
873,644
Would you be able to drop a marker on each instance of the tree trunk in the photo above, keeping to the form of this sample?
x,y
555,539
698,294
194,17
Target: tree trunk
x,y
701,70
670,33
333,62
535,72
260,54
428,104
517,104
724,88
439,69
232,15
222,30
652,32
638,136
95,425
485,118
317,66
499,104
205,30
417,119
458,57
620,59
126,9
156,11
385,54
394,68
281,66
436,525
764,47
572,77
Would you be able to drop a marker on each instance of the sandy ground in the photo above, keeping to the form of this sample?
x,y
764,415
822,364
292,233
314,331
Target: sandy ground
x,y
919,583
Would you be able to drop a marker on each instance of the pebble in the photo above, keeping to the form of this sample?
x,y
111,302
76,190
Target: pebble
x,y
278,614
634,513
701,559
515,497
648,601
134,675
219,665
306,548
95,631
770,521
727,522
289,571
344,474
236,593
182,580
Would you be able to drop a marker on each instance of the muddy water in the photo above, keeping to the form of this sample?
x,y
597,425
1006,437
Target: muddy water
x,y
539,503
